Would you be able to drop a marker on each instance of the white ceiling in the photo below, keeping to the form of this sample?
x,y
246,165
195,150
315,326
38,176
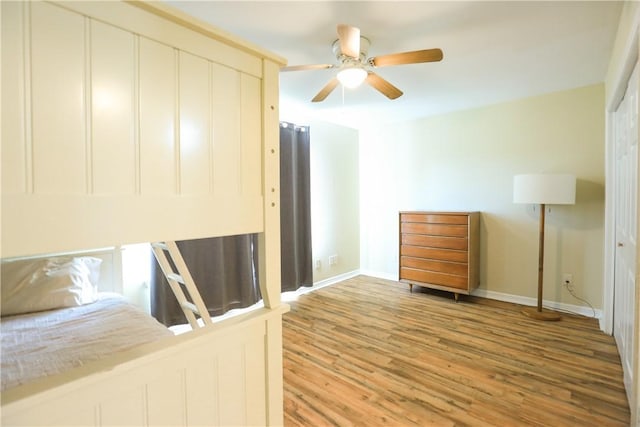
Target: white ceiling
x,y
493,51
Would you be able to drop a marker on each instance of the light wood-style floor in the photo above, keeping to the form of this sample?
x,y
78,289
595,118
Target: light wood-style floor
x,y
367,352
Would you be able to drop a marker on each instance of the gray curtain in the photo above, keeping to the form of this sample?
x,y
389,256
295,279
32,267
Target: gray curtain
x,y
225,270
295,207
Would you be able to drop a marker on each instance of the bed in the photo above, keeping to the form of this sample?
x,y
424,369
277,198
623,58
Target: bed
x,y
130,122
50,342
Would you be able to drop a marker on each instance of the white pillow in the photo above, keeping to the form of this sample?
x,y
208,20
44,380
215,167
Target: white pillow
x,y
46,284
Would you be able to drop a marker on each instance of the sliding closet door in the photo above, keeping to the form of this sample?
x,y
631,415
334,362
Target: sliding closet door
x,y
295,211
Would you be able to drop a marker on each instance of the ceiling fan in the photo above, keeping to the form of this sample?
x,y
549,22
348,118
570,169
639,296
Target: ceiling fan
x,y
354,67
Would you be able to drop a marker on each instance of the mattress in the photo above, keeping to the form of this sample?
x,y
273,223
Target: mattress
x,y
51,342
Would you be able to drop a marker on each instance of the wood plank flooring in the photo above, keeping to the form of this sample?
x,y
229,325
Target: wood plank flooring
x,y
367,352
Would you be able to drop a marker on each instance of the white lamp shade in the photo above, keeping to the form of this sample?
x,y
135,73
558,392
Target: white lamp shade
x,y
352,77
551,189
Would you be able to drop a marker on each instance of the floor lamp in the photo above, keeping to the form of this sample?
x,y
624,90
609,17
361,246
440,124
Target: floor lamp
x,y
543,189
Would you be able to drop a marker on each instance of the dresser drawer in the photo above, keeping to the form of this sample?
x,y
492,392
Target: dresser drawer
x,y
430,277
459,243
455,268
434,229
434,253
434,218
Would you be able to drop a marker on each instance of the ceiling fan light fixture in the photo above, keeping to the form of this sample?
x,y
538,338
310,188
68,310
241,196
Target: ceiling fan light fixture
x,y
352,77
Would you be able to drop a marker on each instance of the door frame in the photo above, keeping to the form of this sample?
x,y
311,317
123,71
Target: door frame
x,y
614,96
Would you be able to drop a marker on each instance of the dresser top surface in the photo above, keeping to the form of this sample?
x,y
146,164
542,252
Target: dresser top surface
x,y
440,212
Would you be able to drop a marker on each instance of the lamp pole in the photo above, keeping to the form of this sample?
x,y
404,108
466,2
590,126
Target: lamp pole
x,y
540,257
538,313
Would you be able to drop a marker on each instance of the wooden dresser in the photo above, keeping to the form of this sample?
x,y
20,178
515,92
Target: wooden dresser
x,y
440,250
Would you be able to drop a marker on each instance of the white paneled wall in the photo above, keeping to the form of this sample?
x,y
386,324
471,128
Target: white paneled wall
x,y
13,104
158,108
196,130
226,127
104,110
113,108
251,159
58,101
127,122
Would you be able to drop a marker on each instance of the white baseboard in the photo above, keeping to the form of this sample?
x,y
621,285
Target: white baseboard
x,y
291,296
516,299
335,279
380,275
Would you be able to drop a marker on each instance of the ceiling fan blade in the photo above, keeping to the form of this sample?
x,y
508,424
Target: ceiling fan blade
x,y
306,67
383,86
349,40
415,57
325,91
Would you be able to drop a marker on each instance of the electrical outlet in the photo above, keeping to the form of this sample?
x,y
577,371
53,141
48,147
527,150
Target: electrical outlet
x,y
567,279
333,259
318,264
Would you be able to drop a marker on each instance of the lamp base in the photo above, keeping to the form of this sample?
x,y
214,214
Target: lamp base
x,y
541,315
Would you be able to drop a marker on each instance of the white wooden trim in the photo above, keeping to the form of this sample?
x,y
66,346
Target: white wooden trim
x,y
270,239
630,57
43,223
616,90
132,382
332,280
606,323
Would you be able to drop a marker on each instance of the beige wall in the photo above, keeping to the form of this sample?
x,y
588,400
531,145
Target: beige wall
x,y
467,160
334,199
619,64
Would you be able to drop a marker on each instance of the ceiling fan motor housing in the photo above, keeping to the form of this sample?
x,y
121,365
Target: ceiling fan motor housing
x,y
364,50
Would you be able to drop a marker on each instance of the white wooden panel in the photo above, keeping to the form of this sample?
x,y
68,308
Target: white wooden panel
x,y
256,380
270,240
112,96
195,125
251,135
275,386
14,173
166,399
202,392
66,219
232,379
158,167
48,223
200,40
61,216
117,386
126,407
227,172
58,100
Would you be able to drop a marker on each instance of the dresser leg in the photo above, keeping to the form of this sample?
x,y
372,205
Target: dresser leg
x,y
411,287
455,296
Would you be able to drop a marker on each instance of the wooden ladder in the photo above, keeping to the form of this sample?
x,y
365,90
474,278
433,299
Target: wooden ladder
x,y
181,281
